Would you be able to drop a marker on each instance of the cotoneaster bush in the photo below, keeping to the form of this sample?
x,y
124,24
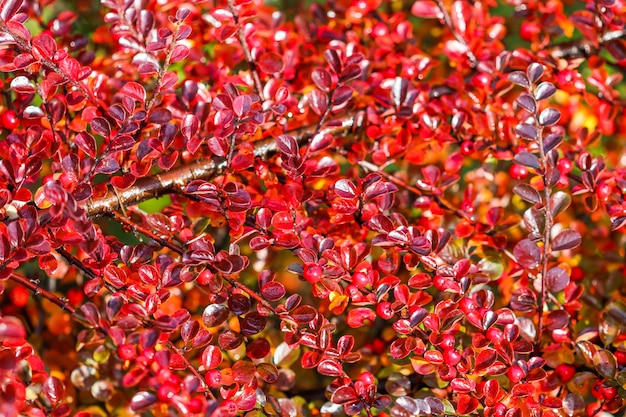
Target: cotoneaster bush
x,y
358,207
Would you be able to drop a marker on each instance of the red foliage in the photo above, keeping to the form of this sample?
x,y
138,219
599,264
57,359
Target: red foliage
x,y
361,207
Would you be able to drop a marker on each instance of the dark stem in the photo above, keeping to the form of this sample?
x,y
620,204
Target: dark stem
x,y
175,180
258,85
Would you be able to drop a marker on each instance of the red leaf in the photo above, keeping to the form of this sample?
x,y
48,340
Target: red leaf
x,y
426,9
273,291
304,314
330,367
189,126
461,15
271,63
318,101
86,143
135,91
179,53
344,395
322,79
345,189
45,45
466,404
8,8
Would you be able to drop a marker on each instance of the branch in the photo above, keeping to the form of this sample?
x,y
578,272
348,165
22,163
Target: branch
x,y
584,48
178,178
258,85
37,290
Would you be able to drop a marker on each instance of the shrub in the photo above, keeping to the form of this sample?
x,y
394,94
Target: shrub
x,y
363,208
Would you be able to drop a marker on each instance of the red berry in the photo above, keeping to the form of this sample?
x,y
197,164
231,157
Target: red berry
x,y
360,279
10,120
126,352
213,378
467,147
366,378
596,390
518,172
565,165
75,296
448,341
19,296
439,283
166,393
565,372
230,407
515,374
620,357
481,80
577,274
195,405
529,31
312,272
594,409
609,393
603,191
378,346
451,357
384,310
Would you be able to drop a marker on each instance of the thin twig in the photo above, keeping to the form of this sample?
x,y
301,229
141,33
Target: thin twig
x,y
37,290
207,390
139,228
448,21
258,85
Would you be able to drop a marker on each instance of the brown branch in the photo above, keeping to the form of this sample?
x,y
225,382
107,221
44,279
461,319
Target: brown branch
x,y
177,179
583,48
37,290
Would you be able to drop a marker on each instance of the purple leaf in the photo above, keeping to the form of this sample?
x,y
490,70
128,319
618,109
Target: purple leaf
x,y
557,319
350,72
519,78
332,57
549,116
528,103
8,8
567,239
544,90
345,189
527,253
189,126
526,131
527,193
287,145
527,159
534,72
557,279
